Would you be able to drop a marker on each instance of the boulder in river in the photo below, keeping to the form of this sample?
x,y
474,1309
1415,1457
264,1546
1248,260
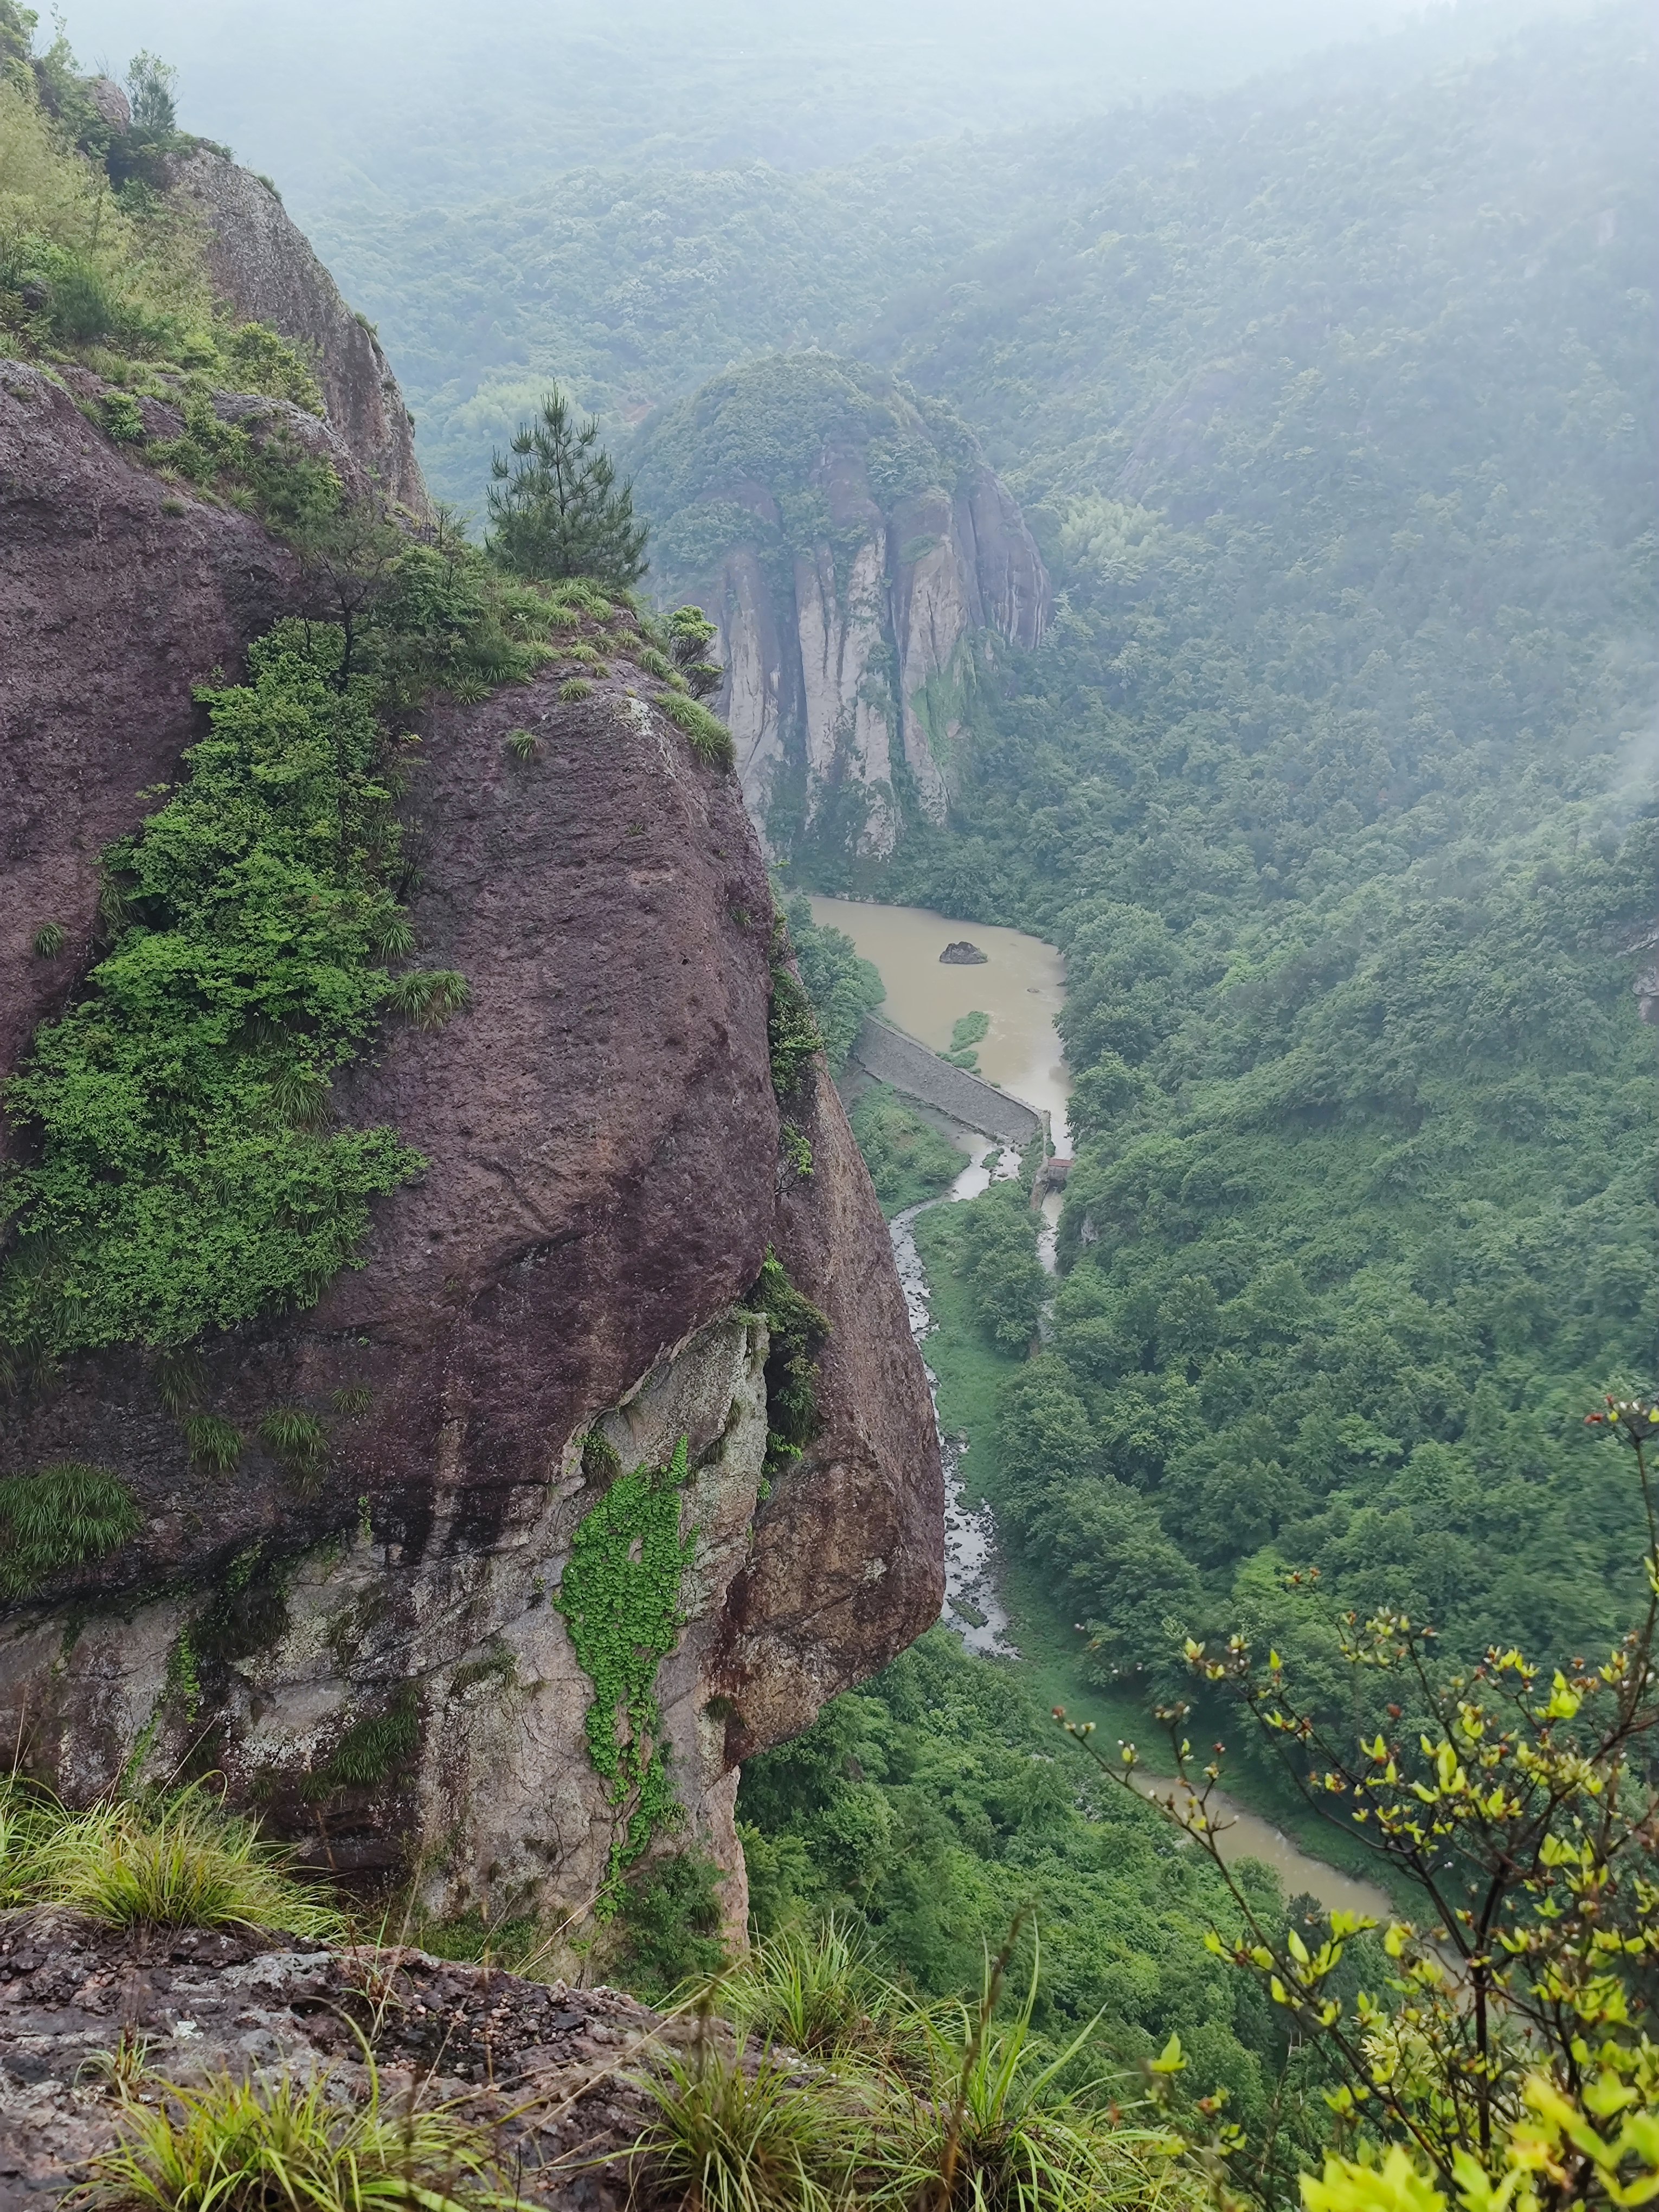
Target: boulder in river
x,y
962,954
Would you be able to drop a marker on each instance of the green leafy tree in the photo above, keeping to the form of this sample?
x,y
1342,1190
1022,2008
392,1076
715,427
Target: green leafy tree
x,y
153,86
842,986
1507,2063
555,507
690,633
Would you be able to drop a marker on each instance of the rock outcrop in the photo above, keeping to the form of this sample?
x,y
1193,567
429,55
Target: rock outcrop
x,y
549,2075
603,1186
860,566
263,264
119,594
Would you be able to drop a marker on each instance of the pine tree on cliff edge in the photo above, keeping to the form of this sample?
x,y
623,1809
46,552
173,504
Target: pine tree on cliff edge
x,y
555,508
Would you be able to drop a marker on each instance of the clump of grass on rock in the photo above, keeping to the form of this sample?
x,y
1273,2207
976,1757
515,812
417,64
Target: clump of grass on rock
x,y
242,2147
177,1861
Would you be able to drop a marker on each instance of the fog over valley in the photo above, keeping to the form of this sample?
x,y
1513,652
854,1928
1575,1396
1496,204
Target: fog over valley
x,y
829,972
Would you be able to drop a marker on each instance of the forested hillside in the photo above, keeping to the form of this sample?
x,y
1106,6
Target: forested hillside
x,y
646,235
1334,413
1335,783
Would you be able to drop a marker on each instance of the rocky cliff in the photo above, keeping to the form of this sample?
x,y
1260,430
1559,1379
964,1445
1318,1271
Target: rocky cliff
x,y
262,264
862,561
371,1644
550,2075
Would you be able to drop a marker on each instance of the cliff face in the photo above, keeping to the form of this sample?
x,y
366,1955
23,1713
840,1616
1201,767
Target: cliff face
x,y
579,1257
263,264
860,564
118,592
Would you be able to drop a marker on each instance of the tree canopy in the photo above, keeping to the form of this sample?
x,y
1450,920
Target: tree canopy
x,y
556,507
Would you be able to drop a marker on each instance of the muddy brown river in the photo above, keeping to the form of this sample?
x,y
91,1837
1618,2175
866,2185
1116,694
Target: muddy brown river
x,y
1021,987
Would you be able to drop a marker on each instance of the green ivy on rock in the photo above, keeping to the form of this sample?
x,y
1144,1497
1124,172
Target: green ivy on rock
x,y
620,1597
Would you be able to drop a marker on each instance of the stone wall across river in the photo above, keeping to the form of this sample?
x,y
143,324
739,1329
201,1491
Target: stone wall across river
x,y
892,1057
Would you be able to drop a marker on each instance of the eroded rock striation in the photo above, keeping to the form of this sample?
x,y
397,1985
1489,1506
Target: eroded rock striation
x,y
861,561
370,1645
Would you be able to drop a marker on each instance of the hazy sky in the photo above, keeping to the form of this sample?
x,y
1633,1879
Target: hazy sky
x,y
333,95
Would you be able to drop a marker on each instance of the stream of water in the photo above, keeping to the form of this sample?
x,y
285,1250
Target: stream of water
x,y
1021,987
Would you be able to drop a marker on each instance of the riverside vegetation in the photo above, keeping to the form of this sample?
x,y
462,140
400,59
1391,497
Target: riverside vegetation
x,y
1337,804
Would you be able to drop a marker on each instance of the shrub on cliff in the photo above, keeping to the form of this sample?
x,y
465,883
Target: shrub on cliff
x,y
172,1189
842,986
555,508
95,263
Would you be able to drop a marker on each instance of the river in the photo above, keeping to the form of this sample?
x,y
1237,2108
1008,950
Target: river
x,y
1021,987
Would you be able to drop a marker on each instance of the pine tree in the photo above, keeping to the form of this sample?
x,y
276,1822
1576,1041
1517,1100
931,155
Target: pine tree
x,y
555,507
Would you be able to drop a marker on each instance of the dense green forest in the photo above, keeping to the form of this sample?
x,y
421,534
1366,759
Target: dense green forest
x,y
1334,781
1333,784
1331,402
633,263
936,1804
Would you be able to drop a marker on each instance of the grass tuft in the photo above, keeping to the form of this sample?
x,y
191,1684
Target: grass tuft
x,y
371,1749
392,933
180,1378
816,1991
215,1443
300,1095
242,2147
731,2137
61,1516
711,741
523,745
996,2118
427,996
49,940
575,687
297,1438
660,666
175,1861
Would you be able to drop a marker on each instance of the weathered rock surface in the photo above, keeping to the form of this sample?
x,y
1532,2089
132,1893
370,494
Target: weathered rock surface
x,y
603,1183
264,264
119,594
861,576
550,2073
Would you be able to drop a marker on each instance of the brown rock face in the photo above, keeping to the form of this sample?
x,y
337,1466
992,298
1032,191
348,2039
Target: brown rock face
x,y
263,264
603,1183
846,1549
118,594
